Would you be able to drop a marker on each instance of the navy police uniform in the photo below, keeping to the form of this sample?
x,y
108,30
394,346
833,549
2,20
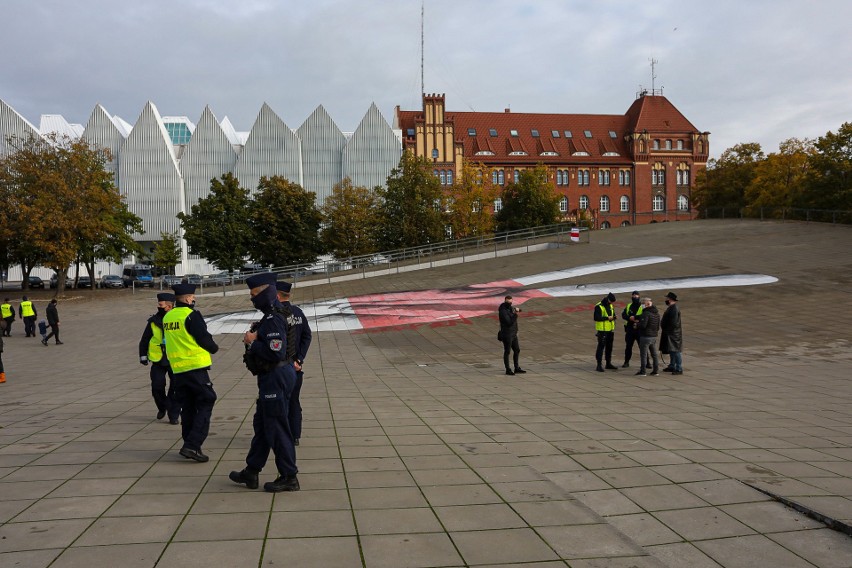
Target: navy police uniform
x,y
152,349
276,379
303,343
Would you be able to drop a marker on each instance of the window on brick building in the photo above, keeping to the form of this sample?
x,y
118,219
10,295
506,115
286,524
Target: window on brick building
x,y
656,145
668,144
449,177
498,204
658,203
624,203
517,175
603,177
680,144
604,204
605,225
623,177
501,177
683,177
682,203
625,223
563,205
584,202
583,177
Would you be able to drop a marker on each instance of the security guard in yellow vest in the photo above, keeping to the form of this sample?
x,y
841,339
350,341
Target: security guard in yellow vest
x,y
605,327
152,349
630,315
7,312
188,348
29,314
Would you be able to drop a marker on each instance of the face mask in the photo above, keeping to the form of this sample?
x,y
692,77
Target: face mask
x,y
668,302
161,311
635,298
192,305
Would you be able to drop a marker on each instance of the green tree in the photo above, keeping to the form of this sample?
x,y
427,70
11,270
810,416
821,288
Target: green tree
x,y
285,222
412,205
723,182
217,227
473,197
530,202
829,180
59,203
779,179
167,252
350,217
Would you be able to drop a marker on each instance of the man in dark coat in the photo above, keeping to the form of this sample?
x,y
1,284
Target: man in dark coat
x,y
152,349
671,340
270,348
630,315
509,334
648,328
303,343
53,322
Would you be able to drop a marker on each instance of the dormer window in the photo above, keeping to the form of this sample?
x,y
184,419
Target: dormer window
x,y
518,153
409,132
612,134
534,133
588,133
492,132
568,134
513,133
471,131
554,133
484,153
611,154
548,153
580,154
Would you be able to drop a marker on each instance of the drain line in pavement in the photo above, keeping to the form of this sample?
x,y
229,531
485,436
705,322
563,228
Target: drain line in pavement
x,y
834,524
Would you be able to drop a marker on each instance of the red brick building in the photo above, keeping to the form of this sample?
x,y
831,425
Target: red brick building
x,y
638,167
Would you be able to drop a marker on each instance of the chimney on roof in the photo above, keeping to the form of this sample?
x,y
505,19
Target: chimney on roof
x,y
507,110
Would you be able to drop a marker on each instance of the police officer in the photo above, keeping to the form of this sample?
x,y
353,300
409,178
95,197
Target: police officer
x,y
188,348
152,348
630,315
605,327
7,312
270,349
303,343
28,313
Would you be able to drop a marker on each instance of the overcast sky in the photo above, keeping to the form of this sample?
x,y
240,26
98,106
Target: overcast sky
x,y
745,70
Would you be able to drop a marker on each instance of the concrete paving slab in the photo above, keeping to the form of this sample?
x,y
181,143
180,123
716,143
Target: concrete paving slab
x,y
414,428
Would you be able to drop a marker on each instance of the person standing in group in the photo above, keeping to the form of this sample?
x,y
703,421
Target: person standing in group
x,y
152,349
53,322
28,313
671,340
188,348
648,328
303,343
270,349
508,315
630,315
7,313
605,317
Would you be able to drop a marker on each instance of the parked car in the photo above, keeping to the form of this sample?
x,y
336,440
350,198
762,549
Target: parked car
x,y
54,280
111,281
84,282
35,282
193,279
137,275
218,279
171,279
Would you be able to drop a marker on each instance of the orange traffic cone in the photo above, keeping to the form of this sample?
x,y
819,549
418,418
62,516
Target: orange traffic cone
x,y
2,377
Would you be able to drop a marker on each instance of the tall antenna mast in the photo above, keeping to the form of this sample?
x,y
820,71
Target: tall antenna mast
x,y
422,11
653,73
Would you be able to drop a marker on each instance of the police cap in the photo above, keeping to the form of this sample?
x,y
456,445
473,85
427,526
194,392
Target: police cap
x,y
165,297
183,289
283,286
260,280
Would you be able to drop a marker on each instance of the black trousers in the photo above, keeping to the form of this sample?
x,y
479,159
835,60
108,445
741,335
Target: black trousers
x,y
631,336
29,325
513,345
271,422
194,393
295,410
54,332
8,331
164,399
605,340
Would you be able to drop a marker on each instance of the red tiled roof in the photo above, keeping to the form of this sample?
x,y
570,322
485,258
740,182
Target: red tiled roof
x,y
652,113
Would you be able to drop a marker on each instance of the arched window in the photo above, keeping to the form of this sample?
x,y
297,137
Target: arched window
x,y
501,177
603,177
584,202
683,176
623,177
658,175
494,177
625,223
659,203
682,203
517,175
563,204
680,144
604,204
498,204
449,177
558,177
656,144
443,177
668,144
605,225
624,202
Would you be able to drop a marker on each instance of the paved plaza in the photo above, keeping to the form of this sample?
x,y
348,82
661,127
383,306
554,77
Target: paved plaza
x,y
418,451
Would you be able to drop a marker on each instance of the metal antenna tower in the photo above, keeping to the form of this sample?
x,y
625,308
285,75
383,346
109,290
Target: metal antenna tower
x,y
653,73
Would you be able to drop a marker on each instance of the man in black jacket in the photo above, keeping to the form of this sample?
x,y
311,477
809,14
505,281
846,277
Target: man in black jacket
x,y
648,328
152,349
303,343
509,334
671,340
630,315
53,322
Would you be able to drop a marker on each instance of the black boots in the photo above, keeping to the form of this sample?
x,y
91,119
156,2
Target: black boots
x,y
283,483
194,455
249,478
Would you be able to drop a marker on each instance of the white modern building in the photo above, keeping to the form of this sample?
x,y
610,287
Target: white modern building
x,y
163,165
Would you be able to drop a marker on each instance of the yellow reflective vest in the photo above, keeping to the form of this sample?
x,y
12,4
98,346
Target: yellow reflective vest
x,y
6,311
156,344
605,325
27,309
184,353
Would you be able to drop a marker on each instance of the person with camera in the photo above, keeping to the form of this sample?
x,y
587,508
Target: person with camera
x,y
509,335
270,351
605,317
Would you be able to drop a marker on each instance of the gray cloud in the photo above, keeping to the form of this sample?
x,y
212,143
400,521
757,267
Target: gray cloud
x,y
757,71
